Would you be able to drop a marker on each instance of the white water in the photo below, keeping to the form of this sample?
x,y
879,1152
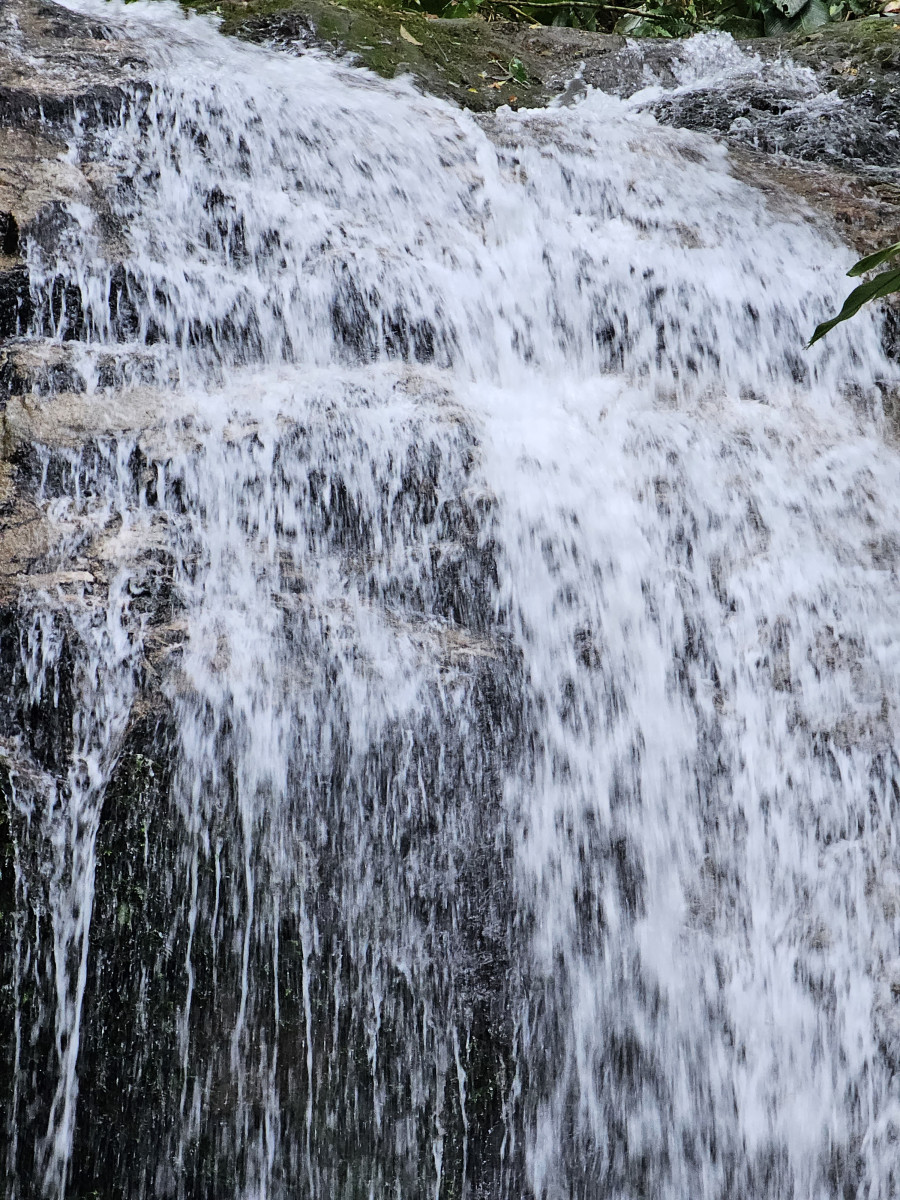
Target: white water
x,y
539,688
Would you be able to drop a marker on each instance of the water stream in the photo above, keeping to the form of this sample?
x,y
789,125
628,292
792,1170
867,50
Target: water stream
x,y
516,814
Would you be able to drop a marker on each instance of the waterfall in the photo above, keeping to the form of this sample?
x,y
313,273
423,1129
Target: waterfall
x,y
455,747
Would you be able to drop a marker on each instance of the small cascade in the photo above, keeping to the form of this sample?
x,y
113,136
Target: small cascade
x,y
454,739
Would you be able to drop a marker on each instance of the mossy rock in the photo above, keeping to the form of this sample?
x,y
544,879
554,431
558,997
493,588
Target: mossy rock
x,y
481,65
859,61
477,64
852,56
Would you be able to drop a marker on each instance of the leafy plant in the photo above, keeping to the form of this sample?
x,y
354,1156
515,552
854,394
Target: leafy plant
x,y
845,10
884,284
743,18
664,18
465,8
515,73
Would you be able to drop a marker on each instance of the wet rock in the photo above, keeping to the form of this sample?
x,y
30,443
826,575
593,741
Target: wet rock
x,y
98,105
77,72
41,369
68,418
69,71
15,303
9,235
465,61
865,212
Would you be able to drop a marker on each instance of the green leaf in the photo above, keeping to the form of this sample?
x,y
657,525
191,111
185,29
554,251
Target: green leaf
x,y
790,8
776,25
814,16
465,9
628,25
882,285
739,27
875,260
517,71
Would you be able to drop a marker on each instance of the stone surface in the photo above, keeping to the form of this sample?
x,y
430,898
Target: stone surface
x,y
828,136
50,415
826,98
464,61
54,63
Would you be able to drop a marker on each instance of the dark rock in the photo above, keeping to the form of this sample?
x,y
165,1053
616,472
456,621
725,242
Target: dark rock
x,y
9,235
41,369
100,105
459,897
15,302
452,55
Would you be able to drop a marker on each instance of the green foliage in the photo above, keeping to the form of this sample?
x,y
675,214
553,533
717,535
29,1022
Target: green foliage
x,y
884,284
465,8
844,10
871,261
742,18
663,18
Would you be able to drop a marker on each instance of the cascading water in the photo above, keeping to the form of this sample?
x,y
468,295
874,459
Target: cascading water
x,y
515,809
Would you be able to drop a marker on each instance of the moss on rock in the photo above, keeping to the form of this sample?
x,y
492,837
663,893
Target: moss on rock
x,y
853,56
478,64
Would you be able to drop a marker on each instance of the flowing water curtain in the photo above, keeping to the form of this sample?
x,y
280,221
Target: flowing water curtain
x,y
74,687
299,772
513,808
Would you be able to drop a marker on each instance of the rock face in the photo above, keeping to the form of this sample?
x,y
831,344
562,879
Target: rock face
x,y
837,105
55,67
814,117
463,60
826,133
77,420
78,452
